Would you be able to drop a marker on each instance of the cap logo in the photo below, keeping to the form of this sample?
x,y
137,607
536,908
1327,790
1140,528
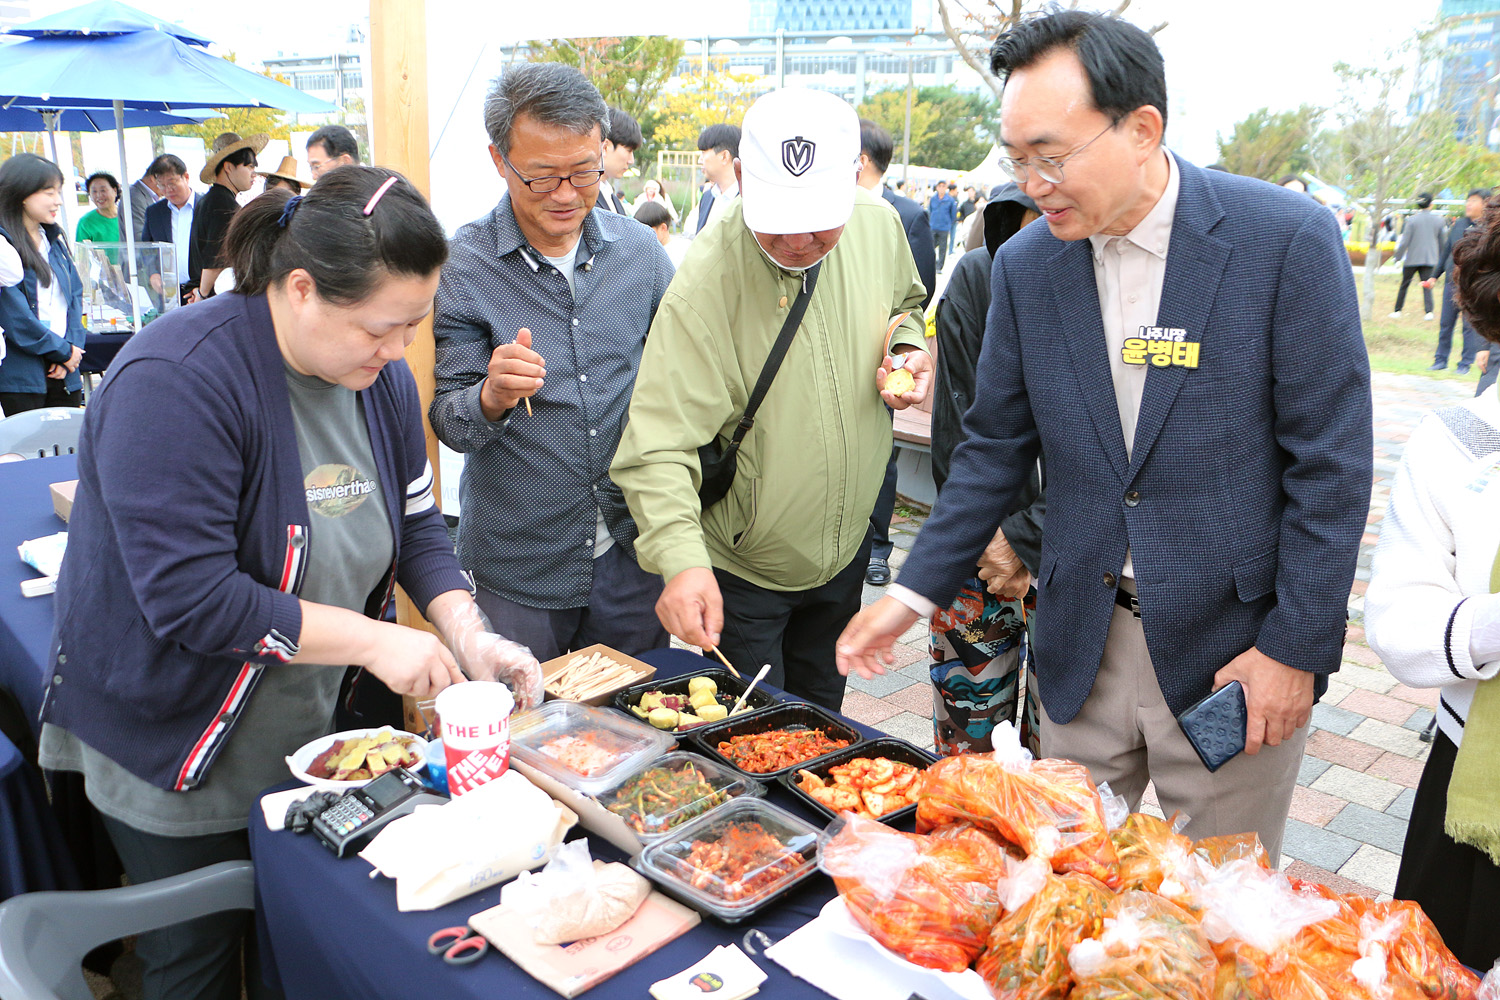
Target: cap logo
x,y
797,155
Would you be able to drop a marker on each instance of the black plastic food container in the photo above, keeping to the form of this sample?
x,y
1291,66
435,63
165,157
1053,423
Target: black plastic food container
x,y
886,746
730,689
789,715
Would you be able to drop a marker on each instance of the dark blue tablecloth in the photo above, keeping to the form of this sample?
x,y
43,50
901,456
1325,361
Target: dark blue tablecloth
x,y
26,622
99,350
329,930
31,853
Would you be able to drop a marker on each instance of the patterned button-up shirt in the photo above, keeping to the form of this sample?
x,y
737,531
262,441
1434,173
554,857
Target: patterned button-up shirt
x,y
534,484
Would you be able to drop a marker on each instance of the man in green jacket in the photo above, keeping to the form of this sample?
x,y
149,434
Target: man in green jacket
x,y
773,572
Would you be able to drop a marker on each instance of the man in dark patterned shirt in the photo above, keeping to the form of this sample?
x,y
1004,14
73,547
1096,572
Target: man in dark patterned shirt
x,y
541,317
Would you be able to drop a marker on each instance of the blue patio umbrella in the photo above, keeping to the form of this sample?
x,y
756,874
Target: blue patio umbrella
x,y
18,119
103,17
86,57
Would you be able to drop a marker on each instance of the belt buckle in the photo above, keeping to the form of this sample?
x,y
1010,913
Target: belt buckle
x,y
1129,602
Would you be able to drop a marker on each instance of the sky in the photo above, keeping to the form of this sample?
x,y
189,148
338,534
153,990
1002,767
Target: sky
x,y
1224,59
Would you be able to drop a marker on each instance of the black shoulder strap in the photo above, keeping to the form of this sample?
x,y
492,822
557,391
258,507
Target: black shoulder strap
x,y
778,354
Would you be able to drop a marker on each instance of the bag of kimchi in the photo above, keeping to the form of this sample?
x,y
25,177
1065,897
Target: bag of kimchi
x,y
931,900
1047,808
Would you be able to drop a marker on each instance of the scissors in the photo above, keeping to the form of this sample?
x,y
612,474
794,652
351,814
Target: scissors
x,y
453,942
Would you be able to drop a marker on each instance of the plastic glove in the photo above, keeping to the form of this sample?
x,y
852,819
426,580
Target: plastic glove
x,y
484,656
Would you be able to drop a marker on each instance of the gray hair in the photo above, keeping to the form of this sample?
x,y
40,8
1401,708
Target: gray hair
x,y
551,93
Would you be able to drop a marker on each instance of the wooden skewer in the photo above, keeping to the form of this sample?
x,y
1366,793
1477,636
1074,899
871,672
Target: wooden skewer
x,y
715,651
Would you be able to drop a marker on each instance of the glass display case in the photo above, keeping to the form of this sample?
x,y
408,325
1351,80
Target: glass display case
x,y
108,290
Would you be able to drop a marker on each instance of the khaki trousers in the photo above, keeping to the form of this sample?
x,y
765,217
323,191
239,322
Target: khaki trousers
x,y
1126,735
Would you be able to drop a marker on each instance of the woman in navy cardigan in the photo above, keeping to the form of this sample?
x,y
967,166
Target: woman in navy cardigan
x,y
43,315
253,482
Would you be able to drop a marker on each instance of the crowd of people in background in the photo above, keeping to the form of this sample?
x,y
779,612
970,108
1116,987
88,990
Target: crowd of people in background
x,y
678,422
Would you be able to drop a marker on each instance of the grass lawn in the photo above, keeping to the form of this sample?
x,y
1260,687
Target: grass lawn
x,y
1406,345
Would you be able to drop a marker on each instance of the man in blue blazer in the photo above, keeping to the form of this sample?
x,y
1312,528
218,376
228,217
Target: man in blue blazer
x,y
170,220
1207,434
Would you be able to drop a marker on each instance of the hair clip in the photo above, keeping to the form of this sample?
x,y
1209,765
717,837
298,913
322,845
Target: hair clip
x,y
288,210
390,182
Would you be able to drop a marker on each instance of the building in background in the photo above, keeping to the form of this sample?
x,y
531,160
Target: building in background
x,y
1466,74
836,15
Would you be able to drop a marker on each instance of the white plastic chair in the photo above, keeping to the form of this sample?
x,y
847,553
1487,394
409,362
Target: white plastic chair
x,y
44,935
52,430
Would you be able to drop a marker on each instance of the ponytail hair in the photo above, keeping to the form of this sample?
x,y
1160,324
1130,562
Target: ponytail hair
x,y
328,233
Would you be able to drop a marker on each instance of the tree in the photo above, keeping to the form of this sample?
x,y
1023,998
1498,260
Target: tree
x,y
704,99
949,129
243,121
1271,144
630,72
887,108
1381,153
972,26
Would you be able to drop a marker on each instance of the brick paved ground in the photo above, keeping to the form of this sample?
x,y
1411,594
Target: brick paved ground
x,y
1354,794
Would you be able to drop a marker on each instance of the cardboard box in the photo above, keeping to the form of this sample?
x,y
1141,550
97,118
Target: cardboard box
x,y
638,671
62,498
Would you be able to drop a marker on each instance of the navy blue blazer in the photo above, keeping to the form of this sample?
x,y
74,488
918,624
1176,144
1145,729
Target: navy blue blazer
x,y
918,237
157,227
31,346
1248,487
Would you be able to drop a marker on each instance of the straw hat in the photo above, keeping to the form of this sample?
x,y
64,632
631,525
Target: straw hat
x,y
224,145
287,172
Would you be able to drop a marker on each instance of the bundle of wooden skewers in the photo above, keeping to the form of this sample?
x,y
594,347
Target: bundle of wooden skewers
x,y
589,675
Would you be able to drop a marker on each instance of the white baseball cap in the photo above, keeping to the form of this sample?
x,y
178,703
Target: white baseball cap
x,y
799,160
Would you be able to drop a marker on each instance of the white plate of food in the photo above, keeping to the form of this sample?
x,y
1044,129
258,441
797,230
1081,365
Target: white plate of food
x,y
354,757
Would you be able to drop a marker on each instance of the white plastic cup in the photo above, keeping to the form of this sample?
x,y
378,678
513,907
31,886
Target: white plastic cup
x,y
476,733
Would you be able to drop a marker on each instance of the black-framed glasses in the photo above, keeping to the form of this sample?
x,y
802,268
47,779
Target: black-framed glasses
x,y
580,179
1048,168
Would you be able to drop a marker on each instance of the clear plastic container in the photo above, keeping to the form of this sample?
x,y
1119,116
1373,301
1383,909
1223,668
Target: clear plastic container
x,y
587,749
673,790
722,864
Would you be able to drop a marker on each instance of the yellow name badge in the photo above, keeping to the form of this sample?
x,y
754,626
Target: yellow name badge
x,y
1163,345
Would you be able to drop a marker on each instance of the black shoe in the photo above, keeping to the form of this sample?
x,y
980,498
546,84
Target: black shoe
x,y
1438,366
1462,369
879,573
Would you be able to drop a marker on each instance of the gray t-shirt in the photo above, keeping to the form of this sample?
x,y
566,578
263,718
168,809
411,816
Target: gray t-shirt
x,y
350,547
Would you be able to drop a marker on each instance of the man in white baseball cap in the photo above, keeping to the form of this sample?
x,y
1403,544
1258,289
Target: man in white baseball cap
x,y
771,570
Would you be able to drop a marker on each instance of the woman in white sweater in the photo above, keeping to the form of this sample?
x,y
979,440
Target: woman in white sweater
x,y
1432,617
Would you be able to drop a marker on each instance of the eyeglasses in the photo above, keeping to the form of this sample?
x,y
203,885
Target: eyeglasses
x,y
1049,169
580,179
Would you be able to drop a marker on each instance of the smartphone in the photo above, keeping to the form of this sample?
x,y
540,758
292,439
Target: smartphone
x,y
1215,726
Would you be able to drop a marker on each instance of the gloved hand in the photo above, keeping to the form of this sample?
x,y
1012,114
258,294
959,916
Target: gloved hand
x,y
484,656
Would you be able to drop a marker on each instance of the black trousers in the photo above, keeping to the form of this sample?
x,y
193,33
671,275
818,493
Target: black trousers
x,y
196,959
794,631
19,402
1424,271
942,242
1456,884
1473,343
880,517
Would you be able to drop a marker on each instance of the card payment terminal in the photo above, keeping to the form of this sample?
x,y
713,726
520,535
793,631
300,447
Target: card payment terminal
x,y
348,823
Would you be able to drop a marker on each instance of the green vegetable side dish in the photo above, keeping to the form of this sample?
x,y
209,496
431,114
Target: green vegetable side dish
x,y
660,798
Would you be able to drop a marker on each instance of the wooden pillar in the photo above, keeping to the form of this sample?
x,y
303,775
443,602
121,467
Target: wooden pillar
x,y
398,139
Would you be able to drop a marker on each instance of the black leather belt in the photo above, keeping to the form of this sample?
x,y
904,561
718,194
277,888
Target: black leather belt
x,y
1129,602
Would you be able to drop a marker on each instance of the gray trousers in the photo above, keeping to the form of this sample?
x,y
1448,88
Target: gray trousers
x,y
196,959
1126,735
